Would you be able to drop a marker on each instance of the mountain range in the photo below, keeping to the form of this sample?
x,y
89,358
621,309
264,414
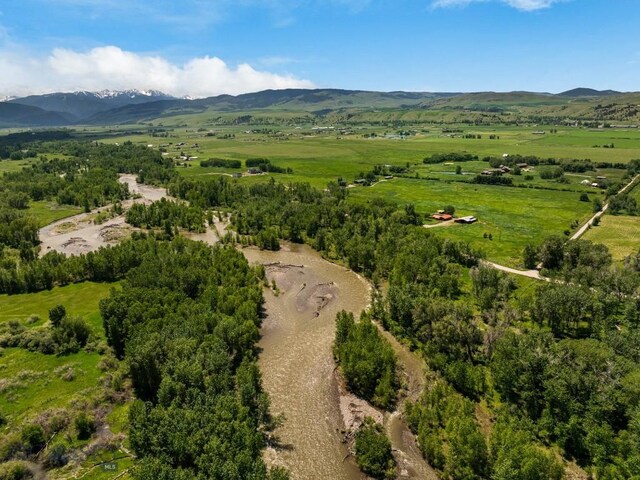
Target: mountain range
x,y
131,106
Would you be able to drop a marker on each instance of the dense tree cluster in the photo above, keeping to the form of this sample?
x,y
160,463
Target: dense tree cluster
x,y
186,322
167,214
366,359
221,162
623,204
366,236
264,165
373,451
105,265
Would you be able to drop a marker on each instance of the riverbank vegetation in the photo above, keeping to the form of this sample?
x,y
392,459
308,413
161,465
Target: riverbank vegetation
x,y
373,451
366,360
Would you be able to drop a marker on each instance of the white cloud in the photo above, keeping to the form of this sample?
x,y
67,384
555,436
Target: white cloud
x,y
110,67
526,5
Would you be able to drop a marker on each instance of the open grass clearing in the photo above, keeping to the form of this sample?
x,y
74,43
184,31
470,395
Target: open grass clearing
x,y
78,299
46,212
620,233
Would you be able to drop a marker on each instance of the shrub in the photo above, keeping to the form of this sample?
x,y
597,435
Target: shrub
x,y
56,456
33,438
14,471
11,447
56,314
71,335
373,451
85,426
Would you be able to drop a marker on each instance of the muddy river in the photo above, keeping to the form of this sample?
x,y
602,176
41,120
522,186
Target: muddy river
x,y
299,372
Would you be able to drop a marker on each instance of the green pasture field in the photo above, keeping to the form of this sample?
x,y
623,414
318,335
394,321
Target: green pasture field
x,y
513,216
620,233
12,165
46,212
80,299
33,382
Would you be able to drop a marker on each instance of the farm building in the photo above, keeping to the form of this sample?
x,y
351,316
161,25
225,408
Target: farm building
x,y
466,220
442,216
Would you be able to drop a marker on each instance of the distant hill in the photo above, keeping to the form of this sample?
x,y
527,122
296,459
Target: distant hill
x,y
83,105
14,115
133,106
588,92
319,101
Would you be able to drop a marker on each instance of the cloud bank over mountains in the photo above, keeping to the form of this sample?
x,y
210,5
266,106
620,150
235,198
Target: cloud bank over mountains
x,y
110,67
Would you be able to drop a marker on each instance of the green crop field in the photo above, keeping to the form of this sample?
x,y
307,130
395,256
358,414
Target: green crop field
x,y
620,233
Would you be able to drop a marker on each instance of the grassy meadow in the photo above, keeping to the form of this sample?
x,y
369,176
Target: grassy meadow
x,y
620,233
37,387
513,216
46,212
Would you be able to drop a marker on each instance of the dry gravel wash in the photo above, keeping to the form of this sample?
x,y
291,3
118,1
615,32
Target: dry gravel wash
x,y
79,234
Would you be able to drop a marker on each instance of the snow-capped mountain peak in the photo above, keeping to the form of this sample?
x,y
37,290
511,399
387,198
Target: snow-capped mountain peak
x,y
131,93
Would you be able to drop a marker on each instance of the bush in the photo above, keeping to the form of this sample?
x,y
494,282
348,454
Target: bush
x,y
12,446
56,314
72,334
33,438
85,426
584,197
15,471
56,456
373,451
530,256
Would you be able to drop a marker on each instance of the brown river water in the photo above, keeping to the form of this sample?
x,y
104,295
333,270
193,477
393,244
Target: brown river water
x,y
299,371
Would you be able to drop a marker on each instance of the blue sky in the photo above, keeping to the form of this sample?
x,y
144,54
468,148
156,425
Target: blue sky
x,y
207,47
